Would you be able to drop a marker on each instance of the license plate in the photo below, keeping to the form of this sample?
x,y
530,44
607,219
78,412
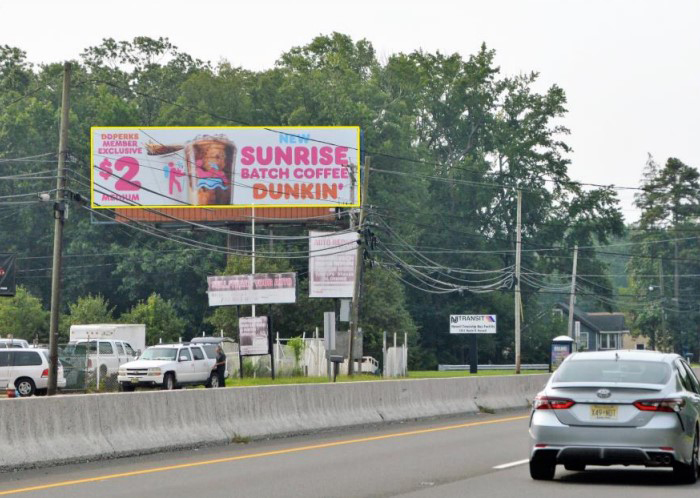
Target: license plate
x,y
604,412
135,380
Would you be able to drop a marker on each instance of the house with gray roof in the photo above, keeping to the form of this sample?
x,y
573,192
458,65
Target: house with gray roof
x,y
600,330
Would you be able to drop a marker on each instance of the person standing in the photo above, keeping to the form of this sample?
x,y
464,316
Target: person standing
x,y
221,366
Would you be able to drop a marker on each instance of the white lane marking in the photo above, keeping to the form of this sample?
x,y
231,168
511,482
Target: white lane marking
x,y
511,464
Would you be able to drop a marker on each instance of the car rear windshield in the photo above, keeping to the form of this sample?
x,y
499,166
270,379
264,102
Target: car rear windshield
x,y
210,349
159,354
626,371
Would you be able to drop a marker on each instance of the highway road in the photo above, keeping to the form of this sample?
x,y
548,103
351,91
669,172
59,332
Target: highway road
x,y
478,455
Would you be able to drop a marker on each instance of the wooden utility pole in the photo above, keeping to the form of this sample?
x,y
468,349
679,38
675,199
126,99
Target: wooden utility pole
x,y
358,271
572,297
663,302
59,217
518,304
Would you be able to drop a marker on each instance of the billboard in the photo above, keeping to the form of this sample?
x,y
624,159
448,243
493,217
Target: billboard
x,y
253,335
8,268
224,167
472,324
259,288
332,263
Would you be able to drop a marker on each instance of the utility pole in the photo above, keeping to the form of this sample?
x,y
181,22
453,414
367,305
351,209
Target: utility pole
x,y
59,218
358,271
663,302
572,298
518,303
678,332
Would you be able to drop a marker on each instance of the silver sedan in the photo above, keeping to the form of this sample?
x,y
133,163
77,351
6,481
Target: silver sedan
x,y
617,408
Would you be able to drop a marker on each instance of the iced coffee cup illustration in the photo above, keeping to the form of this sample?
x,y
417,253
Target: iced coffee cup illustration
x,y
210,163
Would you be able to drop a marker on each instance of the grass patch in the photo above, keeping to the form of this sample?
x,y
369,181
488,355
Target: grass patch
x,y
237,439
432,374
266,381
424,374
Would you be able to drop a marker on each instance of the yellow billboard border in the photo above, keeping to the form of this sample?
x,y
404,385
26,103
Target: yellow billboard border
x,y
225,206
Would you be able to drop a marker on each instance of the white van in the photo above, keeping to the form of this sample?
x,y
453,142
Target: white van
x,y
27,370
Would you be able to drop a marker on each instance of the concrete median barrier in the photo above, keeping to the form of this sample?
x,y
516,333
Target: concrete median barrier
x,y
44,431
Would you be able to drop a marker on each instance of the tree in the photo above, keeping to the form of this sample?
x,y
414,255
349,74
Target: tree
x,y
670,204
161,319
23,316
91,309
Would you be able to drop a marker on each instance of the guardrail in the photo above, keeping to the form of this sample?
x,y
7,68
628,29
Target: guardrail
x,y
529,366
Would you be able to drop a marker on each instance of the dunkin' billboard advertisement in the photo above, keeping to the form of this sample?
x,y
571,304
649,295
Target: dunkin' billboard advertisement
x,y
225,167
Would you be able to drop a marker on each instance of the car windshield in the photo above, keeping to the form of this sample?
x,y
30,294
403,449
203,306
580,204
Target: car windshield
x,y
624,371
159,354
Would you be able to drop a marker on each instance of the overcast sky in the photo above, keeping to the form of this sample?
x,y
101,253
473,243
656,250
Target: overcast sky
x,y
630,69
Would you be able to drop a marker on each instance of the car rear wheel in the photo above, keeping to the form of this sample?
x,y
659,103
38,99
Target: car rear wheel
x,y
213,381
25,386
688,473
542,467
169,382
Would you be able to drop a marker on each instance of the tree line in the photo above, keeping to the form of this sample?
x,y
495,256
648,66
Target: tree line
x,y
451,141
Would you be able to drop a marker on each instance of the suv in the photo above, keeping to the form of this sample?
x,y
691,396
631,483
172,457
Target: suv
x,y
104,356
13,343
27,370
169,366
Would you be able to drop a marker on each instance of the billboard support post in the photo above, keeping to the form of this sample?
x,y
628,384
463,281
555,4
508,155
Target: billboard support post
x,y
473,353
252,262
358,271
272,345
240,355
59,218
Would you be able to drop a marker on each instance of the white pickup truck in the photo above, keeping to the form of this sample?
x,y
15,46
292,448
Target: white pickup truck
x,y
169,366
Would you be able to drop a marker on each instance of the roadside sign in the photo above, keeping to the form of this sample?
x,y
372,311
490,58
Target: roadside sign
x,y
253,336
472,324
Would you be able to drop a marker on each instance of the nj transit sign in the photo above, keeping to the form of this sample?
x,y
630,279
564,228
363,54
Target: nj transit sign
x,y
472,324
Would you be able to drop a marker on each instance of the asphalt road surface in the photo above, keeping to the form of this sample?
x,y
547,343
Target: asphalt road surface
x,y
479,455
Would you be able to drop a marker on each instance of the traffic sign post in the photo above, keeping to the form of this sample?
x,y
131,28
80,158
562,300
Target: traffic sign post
x,y
473,325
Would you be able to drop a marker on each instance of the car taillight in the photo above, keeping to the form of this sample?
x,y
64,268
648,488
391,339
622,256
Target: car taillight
x,y
45,373
89,363
671,405
549,403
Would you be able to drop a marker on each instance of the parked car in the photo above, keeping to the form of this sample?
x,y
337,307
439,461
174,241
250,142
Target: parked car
x,y
13,343
27,370
169,366
103,355
617,407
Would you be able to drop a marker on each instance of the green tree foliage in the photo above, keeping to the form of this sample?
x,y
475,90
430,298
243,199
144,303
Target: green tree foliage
x,y
667,250
445,134
161,319
23,316
91,309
